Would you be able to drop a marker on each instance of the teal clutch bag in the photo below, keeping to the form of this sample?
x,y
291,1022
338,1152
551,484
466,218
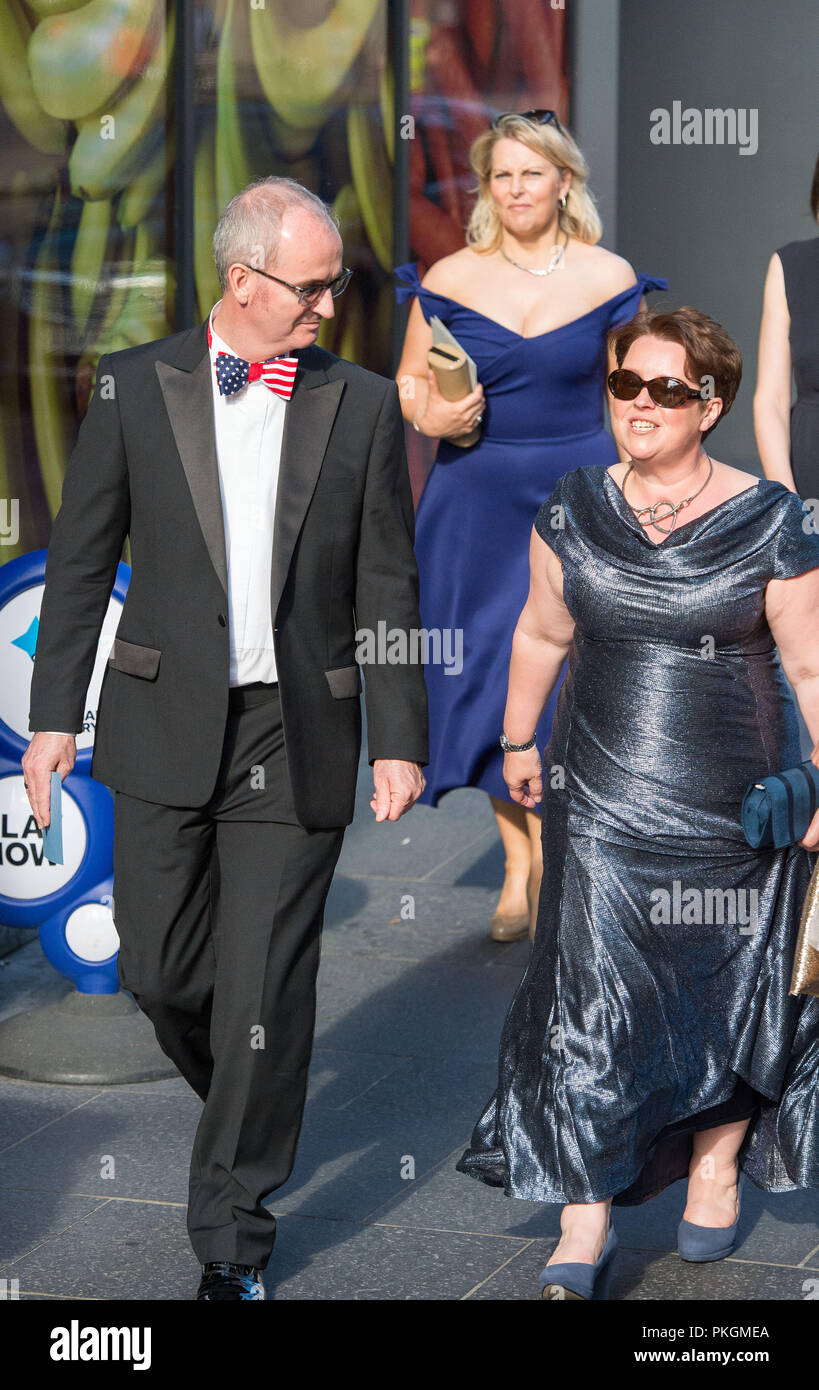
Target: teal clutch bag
x,y
778,810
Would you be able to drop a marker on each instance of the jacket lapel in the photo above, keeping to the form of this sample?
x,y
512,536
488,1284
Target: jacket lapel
x,y
308,421
188,395
186,388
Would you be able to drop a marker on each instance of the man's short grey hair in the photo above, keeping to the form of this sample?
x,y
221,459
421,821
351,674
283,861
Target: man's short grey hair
x,y
249,229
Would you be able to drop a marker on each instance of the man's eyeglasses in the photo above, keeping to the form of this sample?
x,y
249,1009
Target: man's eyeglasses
x,y
537,117
308,295
667,391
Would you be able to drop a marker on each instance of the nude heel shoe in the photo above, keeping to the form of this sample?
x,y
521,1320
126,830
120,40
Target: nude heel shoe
x,y
579,1282
508,926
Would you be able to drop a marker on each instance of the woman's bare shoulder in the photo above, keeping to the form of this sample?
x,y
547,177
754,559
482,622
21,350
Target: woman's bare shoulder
x,y
609,272
617,471
739,479
452,272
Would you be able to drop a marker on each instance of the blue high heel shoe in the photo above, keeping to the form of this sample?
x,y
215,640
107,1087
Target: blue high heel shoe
x,y
701,1243
576,1281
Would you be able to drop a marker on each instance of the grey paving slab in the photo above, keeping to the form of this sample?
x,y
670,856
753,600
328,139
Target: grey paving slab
x,y
351,1162
418,920
167,1086
27,1218
479,864
428,1008
667,1278
122,1250
149,1142
782,1227
28,979
336,1078
26,1297
445,1199
341,1260
27,1107
339,1078
421,842
12,938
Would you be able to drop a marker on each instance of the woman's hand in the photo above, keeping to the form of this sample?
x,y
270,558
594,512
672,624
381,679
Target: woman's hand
x,y
790,608
443,419
523,775
811,840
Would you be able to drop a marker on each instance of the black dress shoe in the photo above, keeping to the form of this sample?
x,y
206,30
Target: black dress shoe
x,y
226,1281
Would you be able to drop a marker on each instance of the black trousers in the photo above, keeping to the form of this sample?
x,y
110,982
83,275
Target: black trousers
x,y
219,910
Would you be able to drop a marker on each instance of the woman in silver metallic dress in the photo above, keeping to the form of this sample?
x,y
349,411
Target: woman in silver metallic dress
x,y
653,1037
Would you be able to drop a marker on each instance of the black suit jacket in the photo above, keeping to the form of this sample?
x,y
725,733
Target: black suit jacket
x,y
145,465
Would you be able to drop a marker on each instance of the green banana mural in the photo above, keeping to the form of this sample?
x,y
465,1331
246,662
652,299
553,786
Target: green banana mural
x,y
88,259
301,69
110,150
17,93
79,59
49,402
87,86
138,198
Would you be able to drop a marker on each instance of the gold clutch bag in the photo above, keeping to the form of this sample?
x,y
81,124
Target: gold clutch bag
x,y
451,367
805,977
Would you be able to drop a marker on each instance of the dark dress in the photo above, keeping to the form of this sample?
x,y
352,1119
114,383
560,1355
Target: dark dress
x,y
543,416
800,262
649,1011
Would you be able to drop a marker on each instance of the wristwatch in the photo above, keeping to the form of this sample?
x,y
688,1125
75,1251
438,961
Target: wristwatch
x,y
517,747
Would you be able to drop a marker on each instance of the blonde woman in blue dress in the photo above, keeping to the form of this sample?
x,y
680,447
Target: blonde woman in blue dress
x,y
531,297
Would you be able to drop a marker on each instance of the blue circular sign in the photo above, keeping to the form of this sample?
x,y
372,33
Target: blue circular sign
x,y
22,582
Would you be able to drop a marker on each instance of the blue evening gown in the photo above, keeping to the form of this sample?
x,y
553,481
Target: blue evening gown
x,y
641,1019
543,416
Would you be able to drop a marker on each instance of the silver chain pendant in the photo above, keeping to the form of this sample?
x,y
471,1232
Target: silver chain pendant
x,y
652,515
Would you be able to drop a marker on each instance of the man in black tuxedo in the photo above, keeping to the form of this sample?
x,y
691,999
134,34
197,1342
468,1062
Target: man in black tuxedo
x,y
270,515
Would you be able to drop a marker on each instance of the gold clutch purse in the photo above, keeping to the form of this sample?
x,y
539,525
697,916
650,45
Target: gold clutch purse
x,y
450,364
805,976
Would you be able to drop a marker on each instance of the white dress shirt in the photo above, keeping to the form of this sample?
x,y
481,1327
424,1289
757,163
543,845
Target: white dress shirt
x,y
249,427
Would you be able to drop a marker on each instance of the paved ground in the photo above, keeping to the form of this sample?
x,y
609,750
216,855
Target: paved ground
x,y
408,1023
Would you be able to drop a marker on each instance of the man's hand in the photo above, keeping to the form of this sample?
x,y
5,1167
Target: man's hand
x,y
398,785
45,754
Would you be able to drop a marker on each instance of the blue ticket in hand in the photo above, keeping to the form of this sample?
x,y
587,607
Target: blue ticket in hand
x,y
53,833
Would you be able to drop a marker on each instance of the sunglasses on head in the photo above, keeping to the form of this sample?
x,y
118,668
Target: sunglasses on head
x,y
538,117
667,391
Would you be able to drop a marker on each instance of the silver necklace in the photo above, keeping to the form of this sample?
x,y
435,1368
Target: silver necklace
x,y
673,507
555,260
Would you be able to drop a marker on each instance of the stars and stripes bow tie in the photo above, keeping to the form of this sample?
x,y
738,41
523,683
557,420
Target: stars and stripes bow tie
x,y
232,373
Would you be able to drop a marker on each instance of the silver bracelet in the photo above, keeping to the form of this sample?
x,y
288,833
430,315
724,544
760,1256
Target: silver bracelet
x,y
517,747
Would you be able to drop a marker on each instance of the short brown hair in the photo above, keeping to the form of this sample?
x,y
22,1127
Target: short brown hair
x,y
710,352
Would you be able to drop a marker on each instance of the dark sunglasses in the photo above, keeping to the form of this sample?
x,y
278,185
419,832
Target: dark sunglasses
x,y
538,117
309,295
667,391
